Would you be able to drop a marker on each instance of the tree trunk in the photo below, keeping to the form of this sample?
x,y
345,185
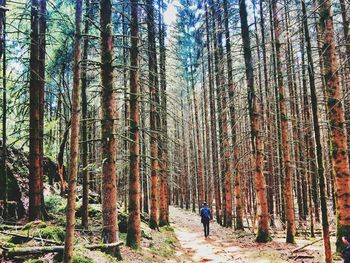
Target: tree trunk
x,y
255,123
134,222
84,131
269,119
336,121
319,151
154,124
164,210
35,176
213,124
74,139
108,119
4,175
285,136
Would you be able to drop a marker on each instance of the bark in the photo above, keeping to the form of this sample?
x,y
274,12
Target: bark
x,y
4,172
269,119
319,150
84,116
42,55
164,209
35,171
213,123
340,159
226,151
126,104
74,142
200,170
134,222
255,123
108,119
345,20
185,174
143,157
285,136
154,124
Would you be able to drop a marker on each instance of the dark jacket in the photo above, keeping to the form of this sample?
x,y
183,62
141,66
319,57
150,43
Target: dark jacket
x,y
206,214
346,254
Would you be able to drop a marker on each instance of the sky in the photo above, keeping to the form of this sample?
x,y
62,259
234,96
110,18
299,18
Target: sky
x,y
170,13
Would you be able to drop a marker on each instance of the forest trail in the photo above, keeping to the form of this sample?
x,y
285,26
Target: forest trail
x,y
226,245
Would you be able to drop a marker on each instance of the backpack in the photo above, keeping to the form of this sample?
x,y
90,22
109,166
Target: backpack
x,y
205,213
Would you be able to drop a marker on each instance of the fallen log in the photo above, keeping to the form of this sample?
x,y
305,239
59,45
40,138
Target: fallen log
x,y
22,251
31,237
11,227
309,244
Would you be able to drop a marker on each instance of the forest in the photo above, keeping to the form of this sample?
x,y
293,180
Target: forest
x,y
121,120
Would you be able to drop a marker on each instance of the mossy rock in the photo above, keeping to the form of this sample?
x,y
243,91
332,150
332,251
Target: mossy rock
x,y
146,235
94,211
52,232
122,222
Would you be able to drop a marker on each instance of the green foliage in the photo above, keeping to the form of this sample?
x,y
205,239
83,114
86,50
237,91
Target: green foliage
x,y
32,260
263,237
167,228
55,204
77,258
167,249
52,232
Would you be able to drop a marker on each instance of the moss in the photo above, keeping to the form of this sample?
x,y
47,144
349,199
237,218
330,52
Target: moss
x,y
77,258
52,232
33,261
55,204
122,237
167,228
35,224
153,224
95,210
167,249
146,235
8,244
263,237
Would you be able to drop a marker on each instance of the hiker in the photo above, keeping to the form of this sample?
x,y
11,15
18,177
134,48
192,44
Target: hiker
x,y
206,216
346,252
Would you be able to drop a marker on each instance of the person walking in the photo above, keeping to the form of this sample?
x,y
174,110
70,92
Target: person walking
x,y
206,216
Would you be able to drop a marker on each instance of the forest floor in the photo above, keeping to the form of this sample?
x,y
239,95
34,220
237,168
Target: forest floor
x,y
227,245
182,241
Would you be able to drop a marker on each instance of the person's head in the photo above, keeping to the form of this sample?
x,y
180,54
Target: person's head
x,y
205,204
346,240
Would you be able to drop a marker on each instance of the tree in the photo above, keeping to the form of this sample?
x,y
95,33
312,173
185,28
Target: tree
x,y
154,120
284,132
74,138
255,124
336,121
319,150
213,126
4,175
108,118
84,116
164,209
35,171
134,222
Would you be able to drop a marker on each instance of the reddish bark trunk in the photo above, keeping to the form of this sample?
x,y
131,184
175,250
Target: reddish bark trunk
x,y
108,119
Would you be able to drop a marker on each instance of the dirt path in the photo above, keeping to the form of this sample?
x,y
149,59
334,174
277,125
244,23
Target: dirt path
x,y
225,245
